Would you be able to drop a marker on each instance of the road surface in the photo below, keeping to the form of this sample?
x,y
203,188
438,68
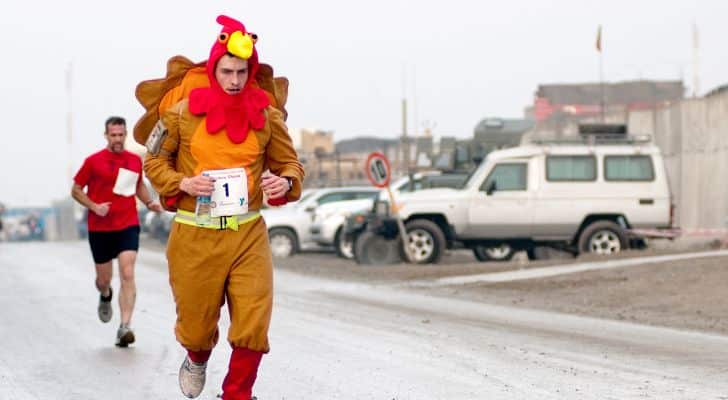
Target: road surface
x,y
334,340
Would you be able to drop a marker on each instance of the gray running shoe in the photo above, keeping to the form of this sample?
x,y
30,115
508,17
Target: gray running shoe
x,y
192,378
105,311
124,336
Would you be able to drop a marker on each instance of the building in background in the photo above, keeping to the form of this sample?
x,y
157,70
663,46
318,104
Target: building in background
x,y
582,99
559,108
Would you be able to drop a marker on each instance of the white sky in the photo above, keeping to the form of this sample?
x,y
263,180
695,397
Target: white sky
x,y
349,63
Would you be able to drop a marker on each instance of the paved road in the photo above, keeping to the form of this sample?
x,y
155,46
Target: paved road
x,y
334,340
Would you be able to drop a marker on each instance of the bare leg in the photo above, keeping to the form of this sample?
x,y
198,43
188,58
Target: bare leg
x,y
103,278
127,294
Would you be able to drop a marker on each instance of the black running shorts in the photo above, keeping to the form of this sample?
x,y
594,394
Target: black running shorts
x,y
106,246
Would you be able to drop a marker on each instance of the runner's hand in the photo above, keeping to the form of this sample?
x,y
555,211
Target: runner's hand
x,y
274,186
101,209
199,185
155,206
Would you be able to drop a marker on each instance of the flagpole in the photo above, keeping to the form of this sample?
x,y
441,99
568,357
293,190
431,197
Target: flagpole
x,y
602,101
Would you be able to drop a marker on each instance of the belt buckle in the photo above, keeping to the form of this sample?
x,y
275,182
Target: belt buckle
x,y
226,222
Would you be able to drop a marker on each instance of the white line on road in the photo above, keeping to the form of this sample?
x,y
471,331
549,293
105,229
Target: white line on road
x,y
544,272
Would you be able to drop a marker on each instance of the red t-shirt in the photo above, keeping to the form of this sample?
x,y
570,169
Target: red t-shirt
x,y
99,172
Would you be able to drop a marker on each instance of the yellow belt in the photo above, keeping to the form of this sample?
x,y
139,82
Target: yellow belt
x,y
229,222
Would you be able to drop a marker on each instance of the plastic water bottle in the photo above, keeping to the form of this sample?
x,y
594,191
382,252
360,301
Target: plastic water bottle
x,y
202,210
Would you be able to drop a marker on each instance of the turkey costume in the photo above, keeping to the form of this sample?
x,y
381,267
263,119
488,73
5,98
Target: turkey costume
x,y
229,258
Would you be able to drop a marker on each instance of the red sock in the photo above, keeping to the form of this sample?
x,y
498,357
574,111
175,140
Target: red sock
x,y
200,357
243,369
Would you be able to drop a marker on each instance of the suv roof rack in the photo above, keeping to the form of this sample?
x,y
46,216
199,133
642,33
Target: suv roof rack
x,y
592,139
602,129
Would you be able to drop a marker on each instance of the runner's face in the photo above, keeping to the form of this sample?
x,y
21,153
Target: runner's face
x,y
115,136
231,73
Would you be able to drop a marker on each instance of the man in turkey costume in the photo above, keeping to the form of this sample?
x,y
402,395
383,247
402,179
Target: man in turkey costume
x,y
212,129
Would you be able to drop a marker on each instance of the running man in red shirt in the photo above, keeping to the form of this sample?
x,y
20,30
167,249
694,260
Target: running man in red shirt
x,y
113,177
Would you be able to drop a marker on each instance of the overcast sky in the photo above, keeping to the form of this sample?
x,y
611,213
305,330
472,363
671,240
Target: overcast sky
x,y
349,63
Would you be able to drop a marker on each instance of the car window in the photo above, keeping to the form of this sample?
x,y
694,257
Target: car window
x,y
407,187
336,196
628,168
403,186
566,168
366,195
510,176
306,197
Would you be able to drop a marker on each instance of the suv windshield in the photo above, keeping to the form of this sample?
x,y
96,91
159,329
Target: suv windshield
x,y
467,182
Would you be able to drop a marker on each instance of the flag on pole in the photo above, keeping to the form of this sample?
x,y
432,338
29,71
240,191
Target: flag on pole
x,y
599,39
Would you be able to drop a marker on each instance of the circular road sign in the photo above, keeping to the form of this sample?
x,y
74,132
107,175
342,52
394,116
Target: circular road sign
x,y
378,170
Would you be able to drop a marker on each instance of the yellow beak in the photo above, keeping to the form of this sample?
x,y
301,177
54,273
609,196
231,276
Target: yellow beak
x,y
240,45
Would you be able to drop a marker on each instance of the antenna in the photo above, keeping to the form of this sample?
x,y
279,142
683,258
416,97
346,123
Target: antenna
x,y
696,62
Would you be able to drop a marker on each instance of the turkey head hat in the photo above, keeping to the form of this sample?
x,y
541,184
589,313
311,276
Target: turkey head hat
x,y
241,112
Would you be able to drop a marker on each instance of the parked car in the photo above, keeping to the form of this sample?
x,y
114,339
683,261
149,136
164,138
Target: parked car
x,y
288,226
328,227
584,195
158,225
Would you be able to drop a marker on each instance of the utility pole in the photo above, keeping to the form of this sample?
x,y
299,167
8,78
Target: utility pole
x,y
405,139
337,156
69,121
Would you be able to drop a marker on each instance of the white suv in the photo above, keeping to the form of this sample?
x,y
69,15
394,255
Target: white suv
x,y
288,226
577,197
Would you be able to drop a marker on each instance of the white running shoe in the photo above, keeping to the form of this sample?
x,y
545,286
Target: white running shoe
x,y
192,378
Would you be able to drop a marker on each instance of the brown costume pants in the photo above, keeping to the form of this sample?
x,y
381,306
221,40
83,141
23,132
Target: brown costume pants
x,y
208,267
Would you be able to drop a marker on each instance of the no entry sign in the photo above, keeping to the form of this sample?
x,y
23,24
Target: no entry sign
x,y
378,170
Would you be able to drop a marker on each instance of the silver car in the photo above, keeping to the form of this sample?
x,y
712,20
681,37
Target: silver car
x,y
288,226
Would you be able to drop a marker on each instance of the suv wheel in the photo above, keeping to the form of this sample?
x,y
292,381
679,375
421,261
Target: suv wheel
x,y
501,252
374,249
344,245
283,242
425,240
602,237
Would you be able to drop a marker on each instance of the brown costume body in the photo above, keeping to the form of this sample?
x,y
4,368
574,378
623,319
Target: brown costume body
x,y
208,266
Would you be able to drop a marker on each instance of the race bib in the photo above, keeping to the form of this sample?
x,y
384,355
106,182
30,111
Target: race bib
x,y
230,196
126,182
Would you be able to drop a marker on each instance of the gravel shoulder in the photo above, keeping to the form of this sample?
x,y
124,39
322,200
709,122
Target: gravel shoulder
x,y
685,294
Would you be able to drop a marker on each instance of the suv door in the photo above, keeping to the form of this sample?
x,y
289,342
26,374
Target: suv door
x,y
501,208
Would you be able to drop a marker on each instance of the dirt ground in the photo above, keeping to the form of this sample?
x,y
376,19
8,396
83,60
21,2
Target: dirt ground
x,y
687,294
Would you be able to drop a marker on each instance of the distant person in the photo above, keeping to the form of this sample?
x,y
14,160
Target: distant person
x,y
113,177
229,128
36,226
2,210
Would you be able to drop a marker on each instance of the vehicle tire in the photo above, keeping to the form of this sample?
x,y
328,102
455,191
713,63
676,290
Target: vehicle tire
x,y
283,242
344,245
502,252
603,237
535,253
373,249
425,240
